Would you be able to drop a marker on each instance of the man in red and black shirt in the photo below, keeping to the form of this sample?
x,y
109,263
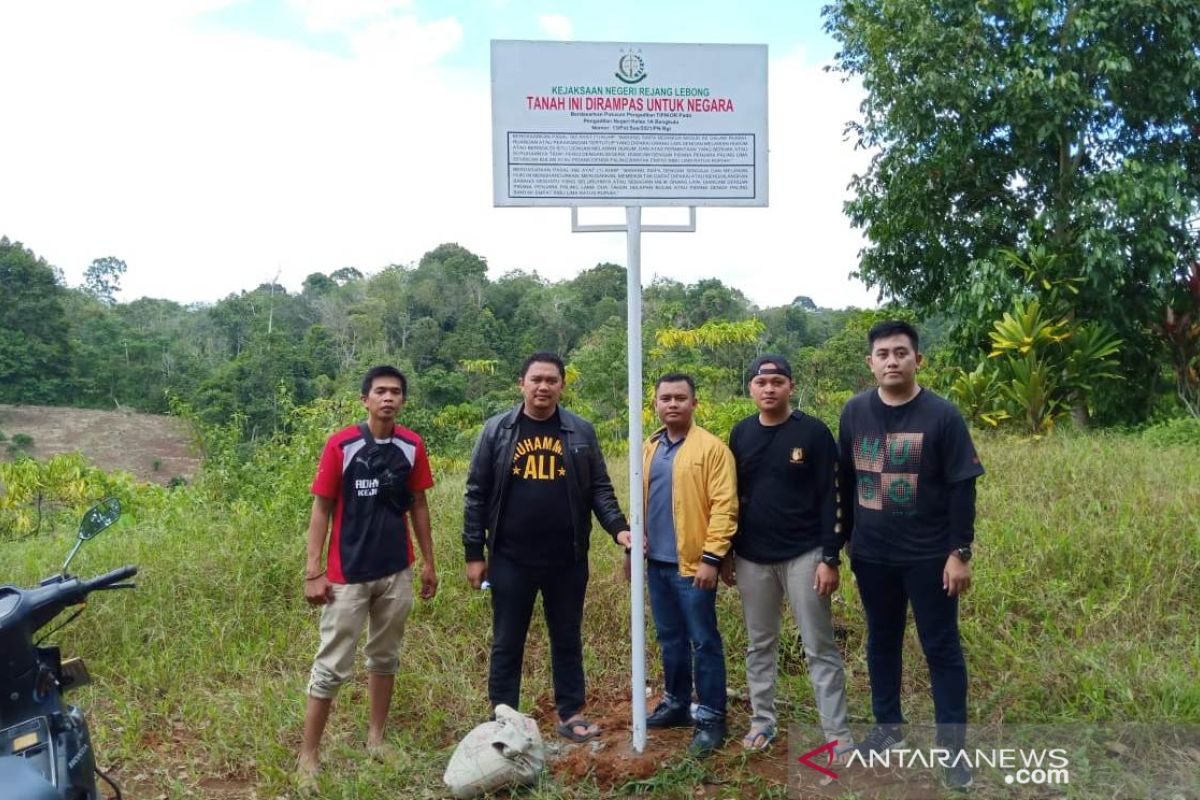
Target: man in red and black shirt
x,y
371,477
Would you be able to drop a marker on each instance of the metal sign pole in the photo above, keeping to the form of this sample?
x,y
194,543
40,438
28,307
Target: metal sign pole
x,y
637,572
633,332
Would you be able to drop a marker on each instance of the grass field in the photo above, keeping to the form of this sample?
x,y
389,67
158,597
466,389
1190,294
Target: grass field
x,y
1084,607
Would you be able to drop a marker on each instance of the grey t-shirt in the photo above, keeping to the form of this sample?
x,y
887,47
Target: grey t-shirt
x,y
660,518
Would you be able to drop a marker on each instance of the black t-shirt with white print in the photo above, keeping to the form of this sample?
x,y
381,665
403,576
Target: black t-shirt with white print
x,y
897,466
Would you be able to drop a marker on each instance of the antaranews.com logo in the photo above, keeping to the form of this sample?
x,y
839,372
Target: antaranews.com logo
x,y
1024,767
1013,762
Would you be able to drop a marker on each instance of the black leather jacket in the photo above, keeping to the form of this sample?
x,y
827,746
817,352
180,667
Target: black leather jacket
x,y
588,488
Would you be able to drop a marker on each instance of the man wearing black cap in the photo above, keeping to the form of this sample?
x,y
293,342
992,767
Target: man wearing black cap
x,y
787,546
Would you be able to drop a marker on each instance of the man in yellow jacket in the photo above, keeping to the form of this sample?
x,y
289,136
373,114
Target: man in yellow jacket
x,y
690,485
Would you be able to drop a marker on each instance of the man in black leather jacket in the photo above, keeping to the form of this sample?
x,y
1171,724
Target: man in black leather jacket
x,y
537,475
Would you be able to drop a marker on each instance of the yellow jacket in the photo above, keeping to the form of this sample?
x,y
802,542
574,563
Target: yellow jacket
x,y
704,498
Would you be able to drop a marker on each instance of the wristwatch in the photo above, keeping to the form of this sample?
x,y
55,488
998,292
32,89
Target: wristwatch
x,y
831,561
963,553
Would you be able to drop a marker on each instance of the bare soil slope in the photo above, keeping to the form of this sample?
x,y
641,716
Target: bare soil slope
x,y
152,447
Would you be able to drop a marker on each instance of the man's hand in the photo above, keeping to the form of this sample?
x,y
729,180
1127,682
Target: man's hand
x,y
728,575
706,577
956,577
476,573
625,539
827,580
429,581
317,591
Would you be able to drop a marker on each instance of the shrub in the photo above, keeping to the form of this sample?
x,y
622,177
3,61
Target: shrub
x,y
1181,431
20,445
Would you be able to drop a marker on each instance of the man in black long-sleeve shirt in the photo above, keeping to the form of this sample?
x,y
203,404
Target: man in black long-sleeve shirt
x,y
787,547
907,491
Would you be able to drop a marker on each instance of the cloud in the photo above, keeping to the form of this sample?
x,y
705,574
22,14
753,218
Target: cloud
x,y
556,26
209,160
337,15
404,40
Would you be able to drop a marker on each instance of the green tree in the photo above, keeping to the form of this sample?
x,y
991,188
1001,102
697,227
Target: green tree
x,y
102,279
449,283
318,283
601,293
838,365
787,328
1061,124
601,361
258,386
717,353
35,346
553,319
102,366
505,295
345,275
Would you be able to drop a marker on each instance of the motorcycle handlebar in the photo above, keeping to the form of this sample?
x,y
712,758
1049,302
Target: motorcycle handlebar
x,y
116,576
37,606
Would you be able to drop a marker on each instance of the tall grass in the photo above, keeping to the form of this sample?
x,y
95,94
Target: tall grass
x,y
1083,608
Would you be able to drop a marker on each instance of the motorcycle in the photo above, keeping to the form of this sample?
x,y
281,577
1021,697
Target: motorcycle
x,y
45,750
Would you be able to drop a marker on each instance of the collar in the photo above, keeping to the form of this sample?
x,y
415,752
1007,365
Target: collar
x,y
514,415
364,428
660,435
908,402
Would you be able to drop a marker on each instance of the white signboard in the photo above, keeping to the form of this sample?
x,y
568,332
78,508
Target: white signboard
x,y
596,124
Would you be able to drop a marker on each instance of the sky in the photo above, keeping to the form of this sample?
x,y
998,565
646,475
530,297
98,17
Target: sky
x,y
214,145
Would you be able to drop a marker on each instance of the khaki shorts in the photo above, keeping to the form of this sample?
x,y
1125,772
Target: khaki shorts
x,y
385,602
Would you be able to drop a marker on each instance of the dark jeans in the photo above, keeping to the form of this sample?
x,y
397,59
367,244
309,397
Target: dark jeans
x,y
686,621
886,592
514,589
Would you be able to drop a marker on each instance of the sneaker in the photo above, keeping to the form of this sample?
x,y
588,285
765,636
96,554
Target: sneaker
x,y
669,714
880,739
957,777
709,736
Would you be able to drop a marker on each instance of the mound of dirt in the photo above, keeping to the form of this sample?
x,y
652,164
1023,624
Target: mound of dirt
x,y
152,447
612,763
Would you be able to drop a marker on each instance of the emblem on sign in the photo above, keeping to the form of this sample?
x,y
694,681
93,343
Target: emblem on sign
x,y
797,455
631,69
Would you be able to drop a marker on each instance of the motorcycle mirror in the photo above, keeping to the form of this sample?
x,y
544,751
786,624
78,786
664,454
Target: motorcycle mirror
x,y
97,518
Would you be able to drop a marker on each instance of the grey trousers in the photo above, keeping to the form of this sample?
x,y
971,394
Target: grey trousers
x,y
763,588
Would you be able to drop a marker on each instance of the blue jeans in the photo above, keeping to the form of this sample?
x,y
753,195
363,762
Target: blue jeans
x,y
685,619
886,592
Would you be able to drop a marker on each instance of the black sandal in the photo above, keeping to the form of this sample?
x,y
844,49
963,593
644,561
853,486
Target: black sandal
x,y
567,730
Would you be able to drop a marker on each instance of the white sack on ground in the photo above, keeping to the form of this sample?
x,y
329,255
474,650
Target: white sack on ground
x,y
506,752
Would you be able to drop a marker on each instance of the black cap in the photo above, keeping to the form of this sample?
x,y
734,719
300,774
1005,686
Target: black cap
x,y
780,366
